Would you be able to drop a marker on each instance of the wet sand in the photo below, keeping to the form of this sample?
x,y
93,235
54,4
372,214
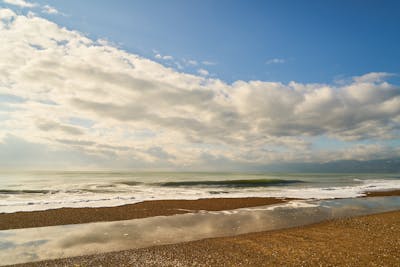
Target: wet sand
x,y
144,209
383,193
372,240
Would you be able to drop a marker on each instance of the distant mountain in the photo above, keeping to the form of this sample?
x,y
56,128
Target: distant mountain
x,y
342,166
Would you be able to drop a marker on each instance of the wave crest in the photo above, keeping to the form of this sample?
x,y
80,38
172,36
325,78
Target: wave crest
x,y
234,183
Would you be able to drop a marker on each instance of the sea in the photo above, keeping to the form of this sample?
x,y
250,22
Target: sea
x,y
43,190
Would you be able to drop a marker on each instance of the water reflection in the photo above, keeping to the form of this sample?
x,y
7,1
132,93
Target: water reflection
x,y
26,245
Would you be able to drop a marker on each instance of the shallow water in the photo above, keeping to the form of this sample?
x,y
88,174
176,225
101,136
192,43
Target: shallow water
x,y
34,244
27,191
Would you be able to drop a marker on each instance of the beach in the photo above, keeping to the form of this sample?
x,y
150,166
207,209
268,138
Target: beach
x,y
126,212
372,240
300,228
143,209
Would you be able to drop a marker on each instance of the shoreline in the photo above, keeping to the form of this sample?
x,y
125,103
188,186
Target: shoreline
x,y
64,216
389,193
370,240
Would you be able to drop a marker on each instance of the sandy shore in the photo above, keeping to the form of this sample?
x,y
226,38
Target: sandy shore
x,y
383,193
144,209
126,212
372,240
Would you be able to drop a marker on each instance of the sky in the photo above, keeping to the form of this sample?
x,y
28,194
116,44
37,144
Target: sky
x,y
197,85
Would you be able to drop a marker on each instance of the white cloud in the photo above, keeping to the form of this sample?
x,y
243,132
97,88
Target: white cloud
x,y
6,14
208,63
372,77
49,10
164,57
203,72
178,65
190,62
20,3
276,61
144,113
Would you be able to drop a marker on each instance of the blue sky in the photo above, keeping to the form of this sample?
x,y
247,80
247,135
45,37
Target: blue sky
x,y
315,41
198,83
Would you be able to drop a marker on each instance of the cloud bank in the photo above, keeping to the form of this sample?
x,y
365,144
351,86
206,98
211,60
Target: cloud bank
x,y
68,93
20,3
